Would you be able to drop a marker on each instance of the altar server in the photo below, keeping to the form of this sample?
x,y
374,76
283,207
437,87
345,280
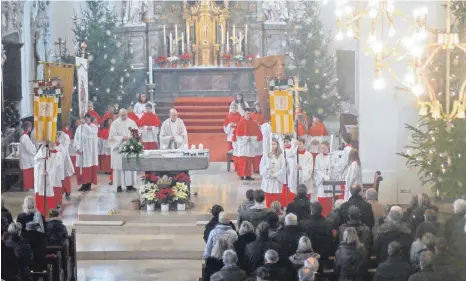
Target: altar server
x,y
318,128
45,173
343,163
306,163
105,150
86,143
140,106
240,103
94,114
322,173
173,134
273,172
63,144
229,126
149,124
248,137
120,132
257,115
353,173
27,151
56,155
109,114
132,115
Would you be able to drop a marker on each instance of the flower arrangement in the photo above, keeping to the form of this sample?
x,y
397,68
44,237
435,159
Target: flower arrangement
x,y
249,58
173,59
161,60
185,58
227,57
133,145
148,193
238,58
180,192
165,195
182,177
164,189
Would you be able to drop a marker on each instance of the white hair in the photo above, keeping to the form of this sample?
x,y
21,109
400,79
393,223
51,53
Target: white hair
x,y
15,228
271,256
312,264
291,219
29,205
459,206
223,218
123,111
338,203
229,257
304,245
305,274
395,214
246,227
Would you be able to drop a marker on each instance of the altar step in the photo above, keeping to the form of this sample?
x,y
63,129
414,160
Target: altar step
x,y
156,218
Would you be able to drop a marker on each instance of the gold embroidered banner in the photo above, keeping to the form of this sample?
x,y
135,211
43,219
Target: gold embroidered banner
x,y
66,74
281,111
45,118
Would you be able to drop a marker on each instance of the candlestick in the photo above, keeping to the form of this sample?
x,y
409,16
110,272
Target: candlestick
x,y
234,35
228,42
176,34
187,33
246,39
164,36
222,35
171,44
150,70
182,42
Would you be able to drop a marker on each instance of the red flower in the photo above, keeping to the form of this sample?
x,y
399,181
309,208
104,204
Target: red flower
x,y
170,191
161,60
153,178
227,57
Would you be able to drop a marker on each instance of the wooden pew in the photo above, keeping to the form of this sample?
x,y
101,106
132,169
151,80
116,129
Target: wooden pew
x,y
57,271
73,272
65,257
46,275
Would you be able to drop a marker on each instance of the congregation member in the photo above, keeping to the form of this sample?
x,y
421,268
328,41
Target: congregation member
x,y
254,252
149,124
319,230
445,264
21,249
430,224
321,174
30,213
300,206
6,213
214,262
140,106
454,230
34,236
63,143
353,174
132,115
273,269
303,252
55,230
46,179
274,223
10,266
273,172
420,245
173,134
94,114
309,271
27,151
288,237
240,104
379,210
363,231
300,162
350,257
230,271
246,235
335,217
86,142
229,126
247,136
119,133
222,229
257,213
249,202
367,215
426,272
417,216
215,211
105,149
395,268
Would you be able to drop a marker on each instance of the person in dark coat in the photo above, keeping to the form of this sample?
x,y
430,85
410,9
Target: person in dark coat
x,y
30,213
301,206
246,235
393,230
273,220
255,251
350,257
367,216
394,268
37,241
335,217
6,213
10,266
413,205
56,232
272,270
249,202
417,216
445,264
255,214
230,271
289,236
319,230
427,271
22,250
430,225
309,271
215,262
364,232
454,230
216,210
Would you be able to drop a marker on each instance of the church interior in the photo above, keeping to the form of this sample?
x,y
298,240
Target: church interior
x,y
139,131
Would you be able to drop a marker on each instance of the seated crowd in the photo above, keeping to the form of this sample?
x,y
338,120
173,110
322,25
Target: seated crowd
x,y
24,242
360,240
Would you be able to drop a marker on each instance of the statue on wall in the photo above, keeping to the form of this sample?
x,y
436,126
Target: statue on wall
x,y
134,11
275,10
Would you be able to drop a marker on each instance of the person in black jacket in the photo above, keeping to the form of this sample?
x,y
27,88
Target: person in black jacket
x,y
427,271
445,264
272,270
37,240
364,233
230,271
57,234
6,213
216,210
246,235
301,206
417,216
413,204
367,216
319,230
255,251
22,250
350,257
30,213
394,268
454,230
289,236
10,266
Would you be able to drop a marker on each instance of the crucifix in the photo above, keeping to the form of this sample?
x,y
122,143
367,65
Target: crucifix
x,y
61,48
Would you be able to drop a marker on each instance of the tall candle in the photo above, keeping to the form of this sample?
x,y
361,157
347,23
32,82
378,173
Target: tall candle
x,y
164,36
176,34
171,44
150,70
245,38
222,35
182,42
228,41
234,34
239,39
187,33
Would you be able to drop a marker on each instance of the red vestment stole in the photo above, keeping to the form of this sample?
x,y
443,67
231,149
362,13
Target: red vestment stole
x,y
148,119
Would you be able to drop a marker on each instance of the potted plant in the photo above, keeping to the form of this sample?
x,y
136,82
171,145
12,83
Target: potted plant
x,y
226,58
133,146
249,60
173,61
164,193
238,59
180,195
161,61
148,195
185,59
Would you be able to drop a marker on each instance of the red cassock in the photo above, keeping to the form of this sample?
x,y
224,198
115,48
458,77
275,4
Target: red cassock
x,y
148,119
258,117
104,159
107,115
96,116
318,130
133,116
231,118
246,150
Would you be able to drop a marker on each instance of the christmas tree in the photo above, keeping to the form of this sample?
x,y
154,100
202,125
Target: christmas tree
x,y
110,70
310,60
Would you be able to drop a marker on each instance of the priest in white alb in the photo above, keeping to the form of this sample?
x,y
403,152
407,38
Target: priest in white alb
x,y
322,172
173,134
304,168
86,143
120,132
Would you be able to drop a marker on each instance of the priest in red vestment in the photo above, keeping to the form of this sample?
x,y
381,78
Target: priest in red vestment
x,y
318,128
248,137
109,114
94,114
257,115
149,125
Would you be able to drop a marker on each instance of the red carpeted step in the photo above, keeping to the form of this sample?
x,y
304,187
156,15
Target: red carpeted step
x,y
204,129
203,108
203,122
203,115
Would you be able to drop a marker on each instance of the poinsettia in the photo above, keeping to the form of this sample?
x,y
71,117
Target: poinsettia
x,y
161,60
164,195
227,57
182,177
249,58
186,57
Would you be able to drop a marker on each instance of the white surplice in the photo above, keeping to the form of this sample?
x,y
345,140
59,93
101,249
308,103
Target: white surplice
x,y
353,176
46,171
176,129
273,172
322,172
239,107
149,133
306,161
64,141
118,130
87,142
140,108
27,151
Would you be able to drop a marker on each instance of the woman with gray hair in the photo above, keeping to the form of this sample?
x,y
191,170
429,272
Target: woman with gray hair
x,y
304,252
350,257
215,262
30,214
246,235
21,248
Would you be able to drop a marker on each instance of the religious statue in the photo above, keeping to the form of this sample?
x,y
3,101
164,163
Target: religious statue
x,y
238,47
135,10
275,10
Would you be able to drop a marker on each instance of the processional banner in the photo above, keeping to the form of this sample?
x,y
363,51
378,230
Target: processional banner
x,y
83,88
281,107
65,72
45,117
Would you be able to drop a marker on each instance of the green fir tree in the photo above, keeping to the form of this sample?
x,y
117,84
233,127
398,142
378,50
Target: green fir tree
x,y
310,60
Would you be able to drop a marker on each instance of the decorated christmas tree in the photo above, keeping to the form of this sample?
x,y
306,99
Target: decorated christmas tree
x,y
110,70
310,59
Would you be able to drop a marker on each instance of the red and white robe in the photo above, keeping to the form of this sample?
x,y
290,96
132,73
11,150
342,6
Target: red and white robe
x,y
105,151
248,137
321,173
27,151
229,126
260,120
86,144
149,125
63,144
273,172
306,161
45,177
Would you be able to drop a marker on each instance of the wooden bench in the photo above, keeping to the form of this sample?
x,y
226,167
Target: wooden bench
x,y
55,260
46,275
73,272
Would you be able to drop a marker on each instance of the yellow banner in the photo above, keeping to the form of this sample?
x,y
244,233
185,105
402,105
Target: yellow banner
x,y
66,74
45,118
281,112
